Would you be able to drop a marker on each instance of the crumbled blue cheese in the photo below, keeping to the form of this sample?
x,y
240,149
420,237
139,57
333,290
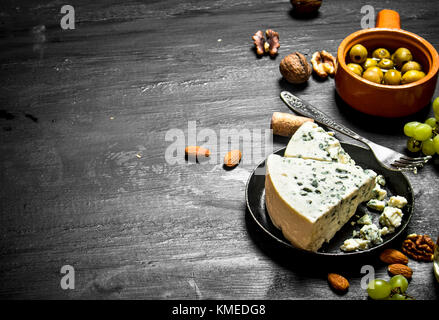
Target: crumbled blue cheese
x,y
391,218
397,202
365,219
379,193
371,233
355,245
376,204
380,180
361,240
384,231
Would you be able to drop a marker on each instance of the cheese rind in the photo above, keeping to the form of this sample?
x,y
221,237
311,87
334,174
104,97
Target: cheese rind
x,y
311,200
312,142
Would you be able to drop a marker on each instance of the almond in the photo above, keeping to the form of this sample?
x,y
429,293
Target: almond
x,y
338,282
196,152
232,158
401,269
392,256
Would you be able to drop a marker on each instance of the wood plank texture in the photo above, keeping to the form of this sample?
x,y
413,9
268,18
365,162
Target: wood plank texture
x,y
84,181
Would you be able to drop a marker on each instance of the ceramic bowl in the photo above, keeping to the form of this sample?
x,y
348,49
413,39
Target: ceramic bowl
x,y
387,100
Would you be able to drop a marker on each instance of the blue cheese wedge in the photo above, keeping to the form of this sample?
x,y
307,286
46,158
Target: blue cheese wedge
x,y
391,218
312,142
397,202
311,200
376,204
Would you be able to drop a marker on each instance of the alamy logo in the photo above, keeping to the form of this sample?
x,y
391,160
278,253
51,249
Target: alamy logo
x,y
368,278
68,20
254,144
368,20
68,280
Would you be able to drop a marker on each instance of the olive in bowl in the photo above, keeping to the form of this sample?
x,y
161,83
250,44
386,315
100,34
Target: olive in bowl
x,y
392,77
383,67
379,99
358,53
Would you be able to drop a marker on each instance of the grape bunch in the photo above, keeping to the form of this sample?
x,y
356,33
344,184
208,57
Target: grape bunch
x,y
394,289
424,136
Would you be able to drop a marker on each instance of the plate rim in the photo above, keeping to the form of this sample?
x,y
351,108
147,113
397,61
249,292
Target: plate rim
x,y
331,254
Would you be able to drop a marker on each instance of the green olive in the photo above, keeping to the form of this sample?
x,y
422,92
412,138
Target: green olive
x,y
392,77
411,65
385,64
401,56
381,53
369,63
412,76
378,71
372,75
355,68
358,53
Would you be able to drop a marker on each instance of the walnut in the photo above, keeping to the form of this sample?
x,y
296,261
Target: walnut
x,y
323,63
419,247
306,6
259,41
295,68
272,44
269,45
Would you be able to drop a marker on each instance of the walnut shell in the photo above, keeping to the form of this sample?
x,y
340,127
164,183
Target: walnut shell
x,y
295,68
306,6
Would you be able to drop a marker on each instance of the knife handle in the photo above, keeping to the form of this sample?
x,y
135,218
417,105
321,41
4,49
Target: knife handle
x,y
305,109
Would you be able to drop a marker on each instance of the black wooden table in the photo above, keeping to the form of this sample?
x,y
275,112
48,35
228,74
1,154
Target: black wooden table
x,y
84,115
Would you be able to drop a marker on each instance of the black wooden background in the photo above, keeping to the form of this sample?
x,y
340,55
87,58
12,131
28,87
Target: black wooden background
x,y
83,118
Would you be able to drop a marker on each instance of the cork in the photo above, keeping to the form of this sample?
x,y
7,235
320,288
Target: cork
x,y
286,124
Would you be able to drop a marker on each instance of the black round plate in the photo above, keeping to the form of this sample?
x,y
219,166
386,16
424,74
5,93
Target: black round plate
x,y
396,184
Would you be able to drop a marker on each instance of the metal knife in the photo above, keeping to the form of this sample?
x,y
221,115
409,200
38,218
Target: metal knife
x,y
305,109
387,157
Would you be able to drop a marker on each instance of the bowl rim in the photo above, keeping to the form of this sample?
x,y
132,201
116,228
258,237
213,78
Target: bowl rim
x,y
431,73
